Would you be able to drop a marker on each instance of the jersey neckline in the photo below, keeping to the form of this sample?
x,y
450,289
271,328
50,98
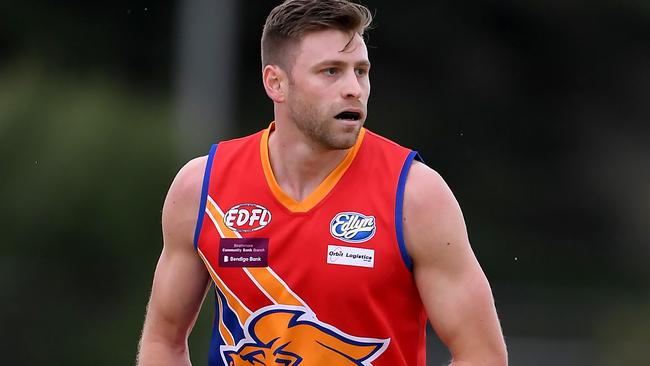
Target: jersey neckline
x,y
323,189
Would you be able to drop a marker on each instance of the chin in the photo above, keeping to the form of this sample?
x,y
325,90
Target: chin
x,y
344,140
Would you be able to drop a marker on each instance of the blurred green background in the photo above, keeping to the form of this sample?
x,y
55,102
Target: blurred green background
x,y
536,112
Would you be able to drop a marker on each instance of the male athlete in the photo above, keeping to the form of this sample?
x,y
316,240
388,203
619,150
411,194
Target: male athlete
x,y
326,243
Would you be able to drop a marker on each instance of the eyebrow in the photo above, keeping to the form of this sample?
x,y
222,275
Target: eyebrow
x,y
364,63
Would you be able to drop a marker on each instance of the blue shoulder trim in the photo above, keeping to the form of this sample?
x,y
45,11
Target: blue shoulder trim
x,y
204,195
399,203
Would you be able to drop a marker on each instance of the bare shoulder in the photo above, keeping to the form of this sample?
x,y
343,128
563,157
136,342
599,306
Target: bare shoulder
x,y
422,180
431,215
181,207
189,179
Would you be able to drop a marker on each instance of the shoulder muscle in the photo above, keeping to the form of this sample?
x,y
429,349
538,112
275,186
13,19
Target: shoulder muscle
x,y
181,207
433,222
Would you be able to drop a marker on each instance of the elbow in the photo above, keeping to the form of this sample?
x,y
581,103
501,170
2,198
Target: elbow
x,y
501,355
496,358
500,359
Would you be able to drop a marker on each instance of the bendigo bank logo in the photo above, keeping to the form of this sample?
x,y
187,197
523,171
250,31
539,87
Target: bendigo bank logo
x,y
290,336
353,227
247,217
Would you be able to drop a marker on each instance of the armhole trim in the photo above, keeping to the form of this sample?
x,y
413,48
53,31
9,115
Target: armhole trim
x,y
399,206
204,195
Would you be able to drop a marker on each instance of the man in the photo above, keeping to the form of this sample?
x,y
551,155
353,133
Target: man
x,y
327,244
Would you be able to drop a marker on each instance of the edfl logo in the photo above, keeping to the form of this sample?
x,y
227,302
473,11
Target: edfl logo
x,y
247,217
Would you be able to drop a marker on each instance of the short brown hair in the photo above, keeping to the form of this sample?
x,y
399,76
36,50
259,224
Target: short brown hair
x,y
290,21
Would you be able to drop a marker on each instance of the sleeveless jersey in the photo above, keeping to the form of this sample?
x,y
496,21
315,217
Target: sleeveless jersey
x,y
323,281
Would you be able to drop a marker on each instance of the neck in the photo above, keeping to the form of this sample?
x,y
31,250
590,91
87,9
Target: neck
x,y
300,165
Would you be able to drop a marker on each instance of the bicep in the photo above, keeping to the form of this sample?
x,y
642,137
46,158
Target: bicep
x,y
179,286
460,307
180,280
452,285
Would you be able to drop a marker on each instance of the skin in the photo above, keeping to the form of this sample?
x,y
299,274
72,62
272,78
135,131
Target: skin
x,y
326,78
329,75
181,280
452,285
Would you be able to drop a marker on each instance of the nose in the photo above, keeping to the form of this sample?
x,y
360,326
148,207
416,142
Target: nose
x,y
352,88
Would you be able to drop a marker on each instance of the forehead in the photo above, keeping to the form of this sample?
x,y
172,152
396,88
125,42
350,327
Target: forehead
x,y
331,45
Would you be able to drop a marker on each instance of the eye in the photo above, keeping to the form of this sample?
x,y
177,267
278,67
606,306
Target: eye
x,y
330,71
254,358
361,72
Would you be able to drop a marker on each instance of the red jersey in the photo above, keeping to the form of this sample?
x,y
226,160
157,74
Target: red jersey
x,y
323,281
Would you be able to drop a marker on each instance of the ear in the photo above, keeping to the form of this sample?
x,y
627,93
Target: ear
x,y
275,80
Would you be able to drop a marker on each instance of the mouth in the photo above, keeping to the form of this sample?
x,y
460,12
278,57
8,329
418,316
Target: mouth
x,y
348,116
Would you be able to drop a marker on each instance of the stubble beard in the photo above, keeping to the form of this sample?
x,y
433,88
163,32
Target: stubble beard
x,y
319,127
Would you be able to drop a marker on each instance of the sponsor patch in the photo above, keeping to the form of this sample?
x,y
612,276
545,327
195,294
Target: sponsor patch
x,y
244,252
247,217
348,256
353,227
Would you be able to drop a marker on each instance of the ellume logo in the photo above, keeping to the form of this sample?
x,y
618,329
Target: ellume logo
x,y
353,227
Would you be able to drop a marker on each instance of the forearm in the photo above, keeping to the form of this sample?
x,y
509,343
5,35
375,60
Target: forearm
x,y
493,363
475,355
153,353
494,360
